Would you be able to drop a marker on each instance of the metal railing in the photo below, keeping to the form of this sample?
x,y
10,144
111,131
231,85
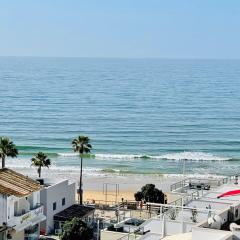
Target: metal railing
x,y
180,184
212,182
130,236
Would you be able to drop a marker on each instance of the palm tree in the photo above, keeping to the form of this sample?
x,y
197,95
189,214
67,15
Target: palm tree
x,y
7,149
81,145
40,160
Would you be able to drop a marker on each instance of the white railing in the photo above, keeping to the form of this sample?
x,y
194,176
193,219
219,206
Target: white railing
x,y
212,182
130,236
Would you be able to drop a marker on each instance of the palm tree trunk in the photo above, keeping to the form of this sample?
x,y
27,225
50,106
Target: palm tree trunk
x,y
3,161
39,172
80,183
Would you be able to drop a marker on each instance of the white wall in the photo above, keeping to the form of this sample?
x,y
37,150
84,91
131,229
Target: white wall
x,y
155,225
34,199
56,193
3,209
171,227
23,203
204,233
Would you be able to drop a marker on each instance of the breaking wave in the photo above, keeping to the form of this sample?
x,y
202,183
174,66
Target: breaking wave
x,y
191,156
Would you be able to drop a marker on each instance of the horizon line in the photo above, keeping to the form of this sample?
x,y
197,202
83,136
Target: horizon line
x,y
120,57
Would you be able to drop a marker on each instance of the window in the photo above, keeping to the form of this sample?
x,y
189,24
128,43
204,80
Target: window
x,y
54,206
63,201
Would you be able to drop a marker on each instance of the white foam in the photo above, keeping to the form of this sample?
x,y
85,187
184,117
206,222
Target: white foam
x,y
194,175
117,156
193,156
68,154
186,155
18,163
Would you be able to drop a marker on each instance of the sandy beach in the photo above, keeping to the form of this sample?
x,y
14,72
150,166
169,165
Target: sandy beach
x,y
118,185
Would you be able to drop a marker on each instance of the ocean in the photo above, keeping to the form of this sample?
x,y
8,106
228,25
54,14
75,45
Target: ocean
x,y
143,116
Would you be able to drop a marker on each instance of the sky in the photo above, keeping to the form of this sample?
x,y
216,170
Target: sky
x,y
121,28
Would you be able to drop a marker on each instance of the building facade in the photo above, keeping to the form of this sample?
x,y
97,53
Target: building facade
x,y
21,212
55,196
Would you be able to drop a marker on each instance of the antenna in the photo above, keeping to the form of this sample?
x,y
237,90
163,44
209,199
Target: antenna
x,y
184,168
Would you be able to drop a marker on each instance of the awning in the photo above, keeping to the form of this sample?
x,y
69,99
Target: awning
x,y
229,193
75,210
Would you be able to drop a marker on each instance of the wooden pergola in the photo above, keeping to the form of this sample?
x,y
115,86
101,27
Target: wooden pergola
x,y
16,184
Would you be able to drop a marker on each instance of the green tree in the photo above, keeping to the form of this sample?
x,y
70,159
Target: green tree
x,y
40,160
7,149
81,145
76,230
138,196
150,193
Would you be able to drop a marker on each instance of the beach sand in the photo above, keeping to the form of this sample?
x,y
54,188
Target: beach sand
x,y
111,197
118,185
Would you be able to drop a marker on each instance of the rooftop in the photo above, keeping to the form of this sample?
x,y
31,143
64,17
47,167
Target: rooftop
x,y
181,236
16,184
48,182
73,211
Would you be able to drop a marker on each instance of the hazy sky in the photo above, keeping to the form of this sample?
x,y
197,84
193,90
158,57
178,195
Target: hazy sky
x,y
120,28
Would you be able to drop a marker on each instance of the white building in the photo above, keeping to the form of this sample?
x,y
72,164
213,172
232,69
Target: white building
x,y
20,210
56,196
205,211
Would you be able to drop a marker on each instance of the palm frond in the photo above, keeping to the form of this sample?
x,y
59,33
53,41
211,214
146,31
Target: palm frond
x,y
41,159
81,145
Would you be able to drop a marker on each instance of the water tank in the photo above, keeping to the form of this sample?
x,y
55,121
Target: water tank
x,y
215,222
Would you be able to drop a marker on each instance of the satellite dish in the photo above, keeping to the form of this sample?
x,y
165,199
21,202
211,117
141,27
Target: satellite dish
x,y
215,222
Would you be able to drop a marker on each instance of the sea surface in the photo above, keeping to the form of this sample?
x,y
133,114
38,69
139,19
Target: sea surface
x,y
146,116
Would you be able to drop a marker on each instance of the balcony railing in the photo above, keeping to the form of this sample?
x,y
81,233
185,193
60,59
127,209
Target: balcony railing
x,y
24,211
27,217
36,206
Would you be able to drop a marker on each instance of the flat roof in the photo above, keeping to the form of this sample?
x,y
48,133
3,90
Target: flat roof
x,y
208,233
151,236
205,203
213,195
16,184
181,236
73,211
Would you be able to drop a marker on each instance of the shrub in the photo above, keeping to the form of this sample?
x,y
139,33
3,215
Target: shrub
x,y
76,229
150,193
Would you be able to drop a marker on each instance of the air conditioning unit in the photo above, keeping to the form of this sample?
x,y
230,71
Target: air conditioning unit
x,y
58,231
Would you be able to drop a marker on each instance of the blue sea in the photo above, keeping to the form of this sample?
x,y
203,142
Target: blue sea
x,y
143,116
